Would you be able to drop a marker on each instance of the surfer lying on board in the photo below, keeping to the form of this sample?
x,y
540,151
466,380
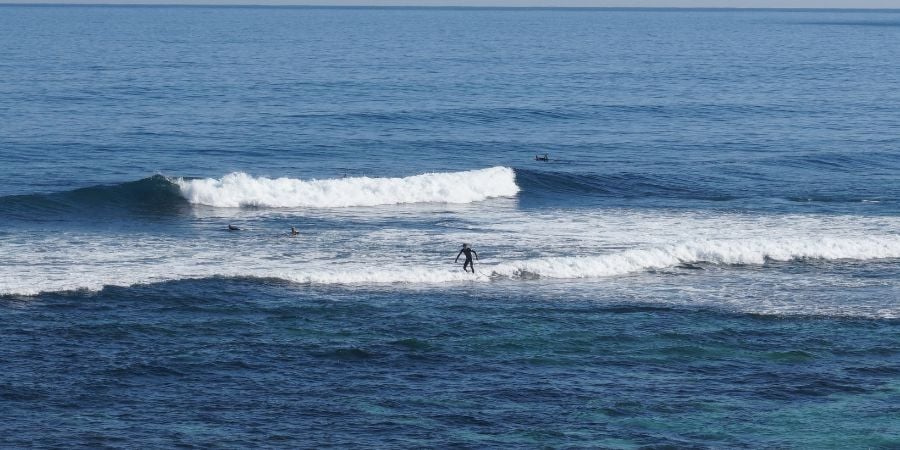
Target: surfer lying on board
x,y
468,262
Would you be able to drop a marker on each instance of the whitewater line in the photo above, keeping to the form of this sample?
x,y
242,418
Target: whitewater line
x,y
729,252
240,189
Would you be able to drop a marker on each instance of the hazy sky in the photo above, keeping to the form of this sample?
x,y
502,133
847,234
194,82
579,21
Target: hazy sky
x,y
628,3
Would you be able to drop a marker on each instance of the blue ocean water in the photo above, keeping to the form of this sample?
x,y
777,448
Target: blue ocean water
x,y
710,258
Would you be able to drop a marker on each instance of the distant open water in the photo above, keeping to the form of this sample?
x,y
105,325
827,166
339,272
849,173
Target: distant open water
x,y
711,258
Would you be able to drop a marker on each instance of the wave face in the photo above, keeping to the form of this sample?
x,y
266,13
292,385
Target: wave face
x,y
668,187
242,190
150,196
627,185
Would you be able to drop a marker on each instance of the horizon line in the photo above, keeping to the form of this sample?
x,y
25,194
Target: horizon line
x,y
369,6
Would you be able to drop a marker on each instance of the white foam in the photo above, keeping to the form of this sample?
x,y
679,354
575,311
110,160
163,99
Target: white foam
x,y
239,189
400,275
129,265
519,245
724,252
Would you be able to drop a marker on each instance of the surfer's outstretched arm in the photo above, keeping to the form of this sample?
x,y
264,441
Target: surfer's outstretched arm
x,y
457,256
476,254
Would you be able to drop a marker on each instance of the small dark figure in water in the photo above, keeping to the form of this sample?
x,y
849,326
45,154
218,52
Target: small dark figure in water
x,y
468,262
294,231
233,228
544,157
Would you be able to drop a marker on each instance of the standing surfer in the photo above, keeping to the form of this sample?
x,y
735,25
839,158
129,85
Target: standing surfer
x,y
468,252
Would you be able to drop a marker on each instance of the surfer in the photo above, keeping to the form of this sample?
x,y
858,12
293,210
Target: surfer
x,y
544,157
294,231
468,262
233,228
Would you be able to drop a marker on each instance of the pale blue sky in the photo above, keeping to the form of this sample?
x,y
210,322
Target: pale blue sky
x,y
601,3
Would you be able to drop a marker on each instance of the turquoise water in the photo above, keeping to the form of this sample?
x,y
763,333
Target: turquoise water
x,y
709,258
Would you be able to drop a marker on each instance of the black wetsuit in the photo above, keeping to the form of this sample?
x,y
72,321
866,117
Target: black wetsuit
x,y
468,252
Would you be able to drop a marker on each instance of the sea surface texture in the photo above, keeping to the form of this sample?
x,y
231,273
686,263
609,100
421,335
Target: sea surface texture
x,y
709,259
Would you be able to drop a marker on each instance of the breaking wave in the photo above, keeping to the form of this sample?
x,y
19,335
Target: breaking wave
x,y
240,189
733,252
159,195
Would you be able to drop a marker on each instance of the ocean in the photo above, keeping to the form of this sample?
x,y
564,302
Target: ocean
x,y
710,258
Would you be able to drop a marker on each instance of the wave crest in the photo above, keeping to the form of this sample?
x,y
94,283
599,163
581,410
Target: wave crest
x,y
239,189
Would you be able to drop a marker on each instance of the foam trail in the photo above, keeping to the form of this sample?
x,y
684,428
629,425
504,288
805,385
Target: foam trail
x,y
407,275
239,189
724,252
